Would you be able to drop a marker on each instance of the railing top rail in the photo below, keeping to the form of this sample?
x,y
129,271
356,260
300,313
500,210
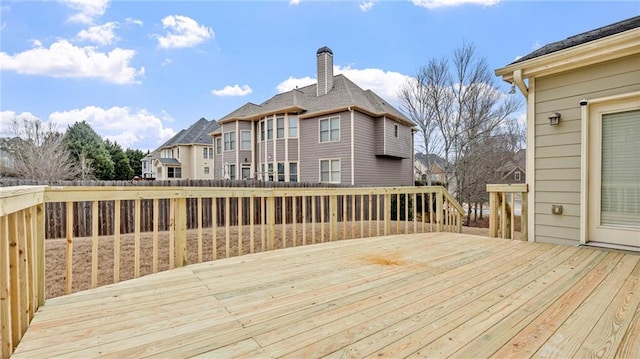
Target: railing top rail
x,y
13,199
77,193
452,200
513,187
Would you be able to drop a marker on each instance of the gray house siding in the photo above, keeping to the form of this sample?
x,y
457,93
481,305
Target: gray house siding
x,y
376,170
557,148
399,146
313,150
292,150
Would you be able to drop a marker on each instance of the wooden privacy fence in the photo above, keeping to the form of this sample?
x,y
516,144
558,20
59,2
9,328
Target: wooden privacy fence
x,y
502,204
241,221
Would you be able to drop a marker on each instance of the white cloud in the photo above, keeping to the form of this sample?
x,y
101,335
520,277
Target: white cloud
x,y
35,43
366,5
63,59
166,62
129,127
433,4
99,34
134,21
294,2
293,82
183,31
385,84
7,119
87,10
235,90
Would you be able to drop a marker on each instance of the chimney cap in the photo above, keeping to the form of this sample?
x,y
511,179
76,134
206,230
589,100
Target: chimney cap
x,y
323,50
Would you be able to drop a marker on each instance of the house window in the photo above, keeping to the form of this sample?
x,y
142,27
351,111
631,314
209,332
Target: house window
x,y
330,171
280,127
245,140
206,170
263,175
262,130
246,172
395,130
230,141
174,172
280,171
231,172
269,128
330,129
207,152
218,145
293,171
293,126
270,171
517,176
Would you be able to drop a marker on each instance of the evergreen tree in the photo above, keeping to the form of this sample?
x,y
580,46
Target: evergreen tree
x,y
135,158
121,168
88,149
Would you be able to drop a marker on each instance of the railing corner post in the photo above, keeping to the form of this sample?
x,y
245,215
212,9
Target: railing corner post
x,y
181,232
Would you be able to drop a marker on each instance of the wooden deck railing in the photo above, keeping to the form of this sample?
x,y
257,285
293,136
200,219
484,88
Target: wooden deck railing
x,y
242,221
502,204
21,261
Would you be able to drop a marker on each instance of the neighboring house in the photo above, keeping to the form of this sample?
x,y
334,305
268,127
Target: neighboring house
x,y
187,155
437,172
331,131
148,169
583,116
515,169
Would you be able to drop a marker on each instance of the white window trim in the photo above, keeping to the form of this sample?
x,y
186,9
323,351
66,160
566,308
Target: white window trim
x,y
320,169
215,145
607,103
242,141
339,129
224,142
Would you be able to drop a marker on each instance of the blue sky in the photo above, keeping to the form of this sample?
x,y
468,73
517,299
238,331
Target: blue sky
x,y
140,71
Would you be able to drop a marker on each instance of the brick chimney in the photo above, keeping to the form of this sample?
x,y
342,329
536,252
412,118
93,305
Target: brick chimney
x,y
325,70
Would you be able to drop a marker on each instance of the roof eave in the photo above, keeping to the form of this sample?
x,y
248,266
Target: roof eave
x,y
260,115
359,109
609,48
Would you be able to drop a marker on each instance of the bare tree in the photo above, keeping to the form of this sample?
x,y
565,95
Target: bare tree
x,y
39,152
416,100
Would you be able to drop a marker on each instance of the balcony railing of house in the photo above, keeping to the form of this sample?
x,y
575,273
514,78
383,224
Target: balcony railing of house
x,y
191,224
503,204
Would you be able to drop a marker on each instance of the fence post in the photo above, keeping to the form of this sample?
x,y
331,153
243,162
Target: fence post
x,y
333,219
181,232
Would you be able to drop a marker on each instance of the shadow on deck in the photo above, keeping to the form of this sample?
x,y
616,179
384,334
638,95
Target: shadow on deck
x,y
421,295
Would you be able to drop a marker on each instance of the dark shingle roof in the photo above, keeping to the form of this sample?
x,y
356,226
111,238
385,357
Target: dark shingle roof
x,y
198,133
584,37
169,161
344,93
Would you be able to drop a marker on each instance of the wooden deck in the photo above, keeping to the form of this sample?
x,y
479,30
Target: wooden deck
x,y
420,295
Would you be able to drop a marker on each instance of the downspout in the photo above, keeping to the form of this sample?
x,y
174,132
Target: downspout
x,y
531,146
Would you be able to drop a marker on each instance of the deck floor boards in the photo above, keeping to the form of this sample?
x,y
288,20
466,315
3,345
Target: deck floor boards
x,y
431,295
